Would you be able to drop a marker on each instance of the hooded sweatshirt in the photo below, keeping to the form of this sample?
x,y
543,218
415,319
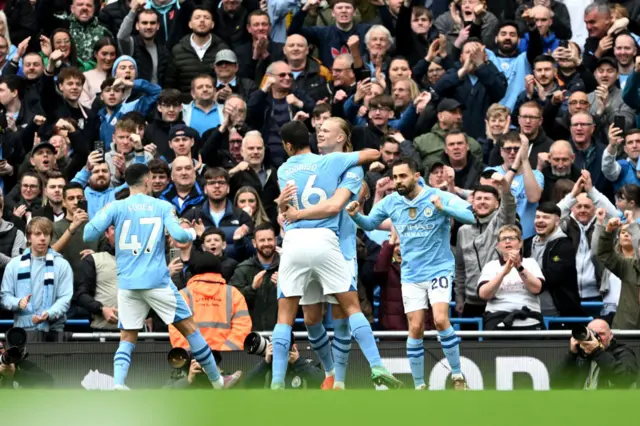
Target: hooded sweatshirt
x,y
13,291
537,252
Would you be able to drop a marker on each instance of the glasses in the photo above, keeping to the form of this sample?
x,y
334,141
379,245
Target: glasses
x,y
379,108
581,124
508,239
217,182
580,102
170,105
511,148
25,186
529,117
285,74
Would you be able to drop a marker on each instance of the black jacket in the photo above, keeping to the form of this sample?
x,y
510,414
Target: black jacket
x,y
86,281
618,368
185,65
157,132
255,69
468,177
21,20
561,277
311,82
112,15
550,181
231,29
302,374
144,61
215,150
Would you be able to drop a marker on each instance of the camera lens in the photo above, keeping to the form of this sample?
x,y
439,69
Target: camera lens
x,y
178,358
255,344
580,333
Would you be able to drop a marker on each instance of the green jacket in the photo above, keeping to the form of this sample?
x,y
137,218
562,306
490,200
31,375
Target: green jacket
x,y
263,302
430,146
628,270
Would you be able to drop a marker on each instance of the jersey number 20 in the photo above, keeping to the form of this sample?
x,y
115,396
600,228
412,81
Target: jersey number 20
x,y
134,245
309,190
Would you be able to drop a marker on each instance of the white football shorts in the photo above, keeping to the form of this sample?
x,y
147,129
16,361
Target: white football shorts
x,y
134,305
418,296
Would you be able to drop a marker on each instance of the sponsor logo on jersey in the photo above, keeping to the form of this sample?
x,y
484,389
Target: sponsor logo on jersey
x,y
428,212
413,212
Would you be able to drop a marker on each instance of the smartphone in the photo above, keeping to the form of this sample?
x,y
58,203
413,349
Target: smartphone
x,y
619,122
83,205
174,253
99,146
564,43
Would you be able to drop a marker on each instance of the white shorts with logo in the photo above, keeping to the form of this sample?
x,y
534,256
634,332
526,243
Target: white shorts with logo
x,y
418,296
315,295
134,305
311,261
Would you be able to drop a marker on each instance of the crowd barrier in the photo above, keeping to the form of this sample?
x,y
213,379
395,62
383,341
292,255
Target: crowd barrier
x,y
87,362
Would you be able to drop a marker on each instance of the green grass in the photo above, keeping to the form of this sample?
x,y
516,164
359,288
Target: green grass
x,y
353,408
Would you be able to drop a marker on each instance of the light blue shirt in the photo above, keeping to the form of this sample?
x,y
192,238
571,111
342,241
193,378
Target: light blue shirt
x,y
139,222
424,232
203,121
515,69
351,180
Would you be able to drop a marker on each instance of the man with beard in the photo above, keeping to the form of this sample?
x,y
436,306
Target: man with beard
x,y
422,219
554,252
606,100
202,113
257,279
541,87
557,164
194,54
183,191
255,55
623,171
625,50
97,176
514,65
530,123
151,57
598,19
493,207
218,210
52,208
578,221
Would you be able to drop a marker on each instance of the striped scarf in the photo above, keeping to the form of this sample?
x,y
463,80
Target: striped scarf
x,y
24,280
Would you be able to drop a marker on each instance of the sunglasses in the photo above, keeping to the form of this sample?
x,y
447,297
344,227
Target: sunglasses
x,y
285,74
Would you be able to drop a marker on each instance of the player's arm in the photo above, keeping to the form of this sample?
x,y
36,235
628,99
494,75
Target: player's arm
x,y
326,208
376,216
177,232
96,226
367,156
455,207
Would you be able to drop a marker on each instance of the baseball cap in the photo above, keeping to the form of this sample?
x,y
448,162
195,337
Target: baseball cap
x,y
607,60
435,166
43,145
226,55
448,104
182,130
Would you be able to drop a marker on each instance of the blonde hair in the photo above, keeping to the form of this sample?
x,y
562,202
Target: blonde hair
x,y
413,87
497,110
346,129
259,215
3,18
510,228
41,224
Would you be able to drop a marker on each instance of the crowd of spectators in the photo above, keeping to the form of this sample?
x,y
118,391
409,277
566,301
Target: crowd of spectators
x,y
528,109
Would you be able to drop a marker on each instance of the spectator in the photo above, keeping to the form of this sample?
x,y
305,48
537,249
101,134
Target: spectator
x,y
493,208
258,53
247,199
471,12
252,172
169,109
228,81
97,176
414,30
588,149
229,325
624,268
257,279
194,54
622,172
183,191
160,176
554,253
543,18
557,164
127,150
597,17
52,200
12,241
151,55
179,258
232,20
214,241
497,123
202,112
457,155
23,200
218,210
606,101
223,145
38,285
105,54
540,87
625,49
310,75
97,285
527,184
511,285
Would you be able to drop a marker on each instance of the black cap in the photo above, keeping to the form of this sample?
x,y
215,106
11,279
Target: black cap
x,y
608,60
435,166
448,104
204,263
182,130
43,145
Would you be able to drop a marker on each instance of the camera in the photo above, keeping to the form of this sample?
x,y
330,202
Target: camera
x,y
180,358
16,346
583,334
256,344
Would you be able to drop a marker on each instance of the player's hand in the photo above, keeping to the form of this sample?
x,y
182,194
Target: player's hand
x,y
241,232
268,354
194,369
110,314
257,280
274,278
601,215
437,202
24,302
613,224
352,208
294,354
199,227
287,194
37,319
291,215
175,266
86,252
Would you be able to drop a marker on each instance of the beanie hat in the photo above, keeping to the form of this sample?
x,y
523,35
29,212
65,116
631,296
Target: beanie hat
x,y
123,58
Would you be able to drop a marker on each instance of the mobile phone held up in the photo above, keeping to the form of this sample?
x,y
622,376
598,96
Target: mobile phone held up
x,y
83,205
99,146
619,122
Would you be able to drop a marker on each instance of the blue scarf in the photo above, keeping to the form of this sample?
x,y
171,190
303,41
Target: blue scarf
x,y
24,279
163,10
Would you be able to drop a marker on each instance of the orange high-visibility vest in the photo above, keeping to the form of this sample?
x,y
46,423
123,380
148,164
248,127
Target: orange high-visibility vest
x,y
219,310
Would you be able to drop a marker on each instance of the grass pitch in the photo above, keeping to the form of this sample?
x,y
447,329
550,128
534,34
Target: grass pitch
x,y
355,408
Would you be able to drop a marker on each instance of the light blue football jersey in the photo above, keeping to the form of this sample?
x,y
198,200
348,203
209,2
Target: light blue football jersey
x,y
424,232
351,180
317,178
139,222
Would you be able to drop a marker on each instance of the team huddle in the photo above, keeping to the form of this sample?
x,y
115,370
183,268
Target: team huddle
x,y
319,200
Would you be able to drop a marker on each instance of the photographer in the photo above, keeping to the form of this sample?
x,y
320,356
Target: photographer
x,y
301,374
597,362
24,374
193,378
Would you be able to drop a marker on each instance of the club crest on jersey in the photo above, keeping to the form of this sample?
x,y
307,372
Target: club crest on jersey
x,y
413,212
428,212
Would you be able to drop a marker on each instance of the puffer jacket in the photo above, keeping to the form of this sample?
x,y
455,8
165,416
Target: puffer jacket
x,y
430,146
